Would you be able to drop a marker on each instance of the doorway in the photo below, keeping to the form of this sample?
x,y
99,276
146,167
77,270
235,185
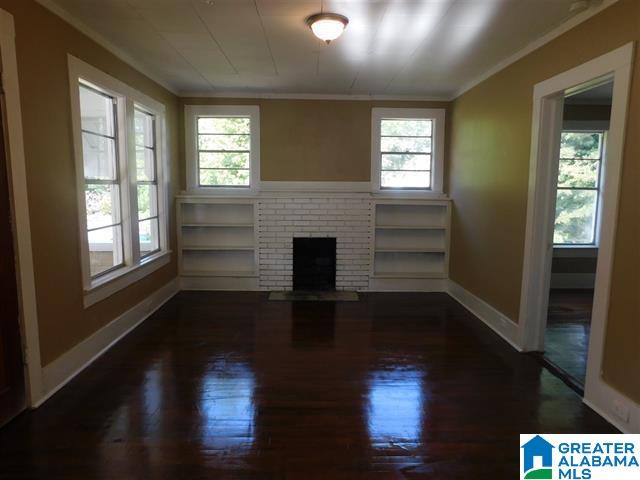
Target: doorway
x,y
12,386
582,161
547,174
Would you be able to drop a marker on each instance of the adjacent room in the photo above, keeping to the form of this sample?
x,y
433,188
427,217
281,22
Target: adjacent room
x,y
333,239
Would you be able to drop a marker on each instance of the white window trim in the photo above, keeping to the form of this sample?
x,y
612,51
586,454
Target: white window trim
x,y
437,172
191,114
127,97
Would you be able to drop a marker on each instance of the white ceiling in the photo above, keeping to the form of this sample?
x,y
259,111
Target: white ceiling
x,y
427,48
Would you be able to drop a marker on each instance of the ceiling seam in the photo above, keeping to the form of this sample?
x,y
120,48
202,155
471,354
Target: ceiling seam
x,y
204,24
157,32
415,50
266,39
373,39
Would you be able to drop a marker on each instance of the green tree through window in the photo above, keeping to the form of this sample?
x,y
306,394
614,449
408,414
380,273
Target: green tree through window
x,y
578,187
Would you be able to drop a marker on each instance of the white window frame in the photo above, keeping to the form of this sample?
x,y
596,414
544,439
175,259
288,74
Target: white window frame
x,y
127,98
437,116
597,189
191,115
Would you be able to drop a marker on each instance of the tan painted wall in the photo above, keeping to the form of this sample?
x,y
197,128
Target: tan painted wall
x,y
314,140
489,167
43,41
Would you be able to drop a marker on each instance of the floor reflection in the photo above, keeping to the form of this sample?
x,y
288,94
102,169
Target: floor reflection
x,y
396,405
315,330
227,407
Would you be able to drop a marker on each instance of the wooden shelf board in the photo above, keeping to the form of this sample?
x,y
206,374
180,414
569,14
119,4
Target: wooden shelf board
x,y
217,225
409,250
219,273
217,248
411,227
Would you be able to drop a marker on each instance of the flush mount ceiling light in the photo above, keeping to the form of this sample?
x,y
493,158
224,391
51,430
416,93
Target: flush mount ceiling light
x,y
327,26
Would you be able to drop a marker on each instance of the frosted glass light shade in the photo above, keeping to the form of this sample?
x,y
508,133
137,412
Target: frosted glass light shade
x,y
327,26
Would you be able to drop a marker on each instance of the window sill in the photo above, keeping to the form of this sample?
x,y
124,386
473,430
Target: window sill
x,y
115,281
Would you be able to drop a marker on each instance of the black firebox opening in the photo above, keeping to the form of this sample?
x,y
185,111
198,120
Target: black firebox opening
x,y
314,263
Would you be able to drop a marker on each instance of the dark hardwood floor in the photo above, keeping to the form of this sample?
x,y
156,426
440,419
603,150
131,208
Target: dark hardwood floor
x,y
231,386
567,333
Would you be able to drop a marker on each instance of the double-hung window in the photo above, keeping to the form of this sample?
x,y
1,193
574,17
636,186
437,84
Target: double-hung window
x,y
147,182
578,194
118,137
103,200
222,148
407,149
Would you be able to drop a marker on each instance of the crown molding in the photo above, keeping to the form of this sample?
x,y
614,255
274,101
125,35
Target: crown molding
x,y
104,42
313,96
535,45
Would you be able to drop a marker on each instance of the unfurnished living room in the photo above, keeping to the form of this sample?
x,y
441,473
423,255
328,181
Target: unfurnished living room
x,y
320,239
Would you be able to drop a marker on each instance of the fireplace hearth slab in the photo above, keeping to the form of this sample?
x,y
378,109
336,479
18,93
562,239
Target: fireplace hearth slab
x,y
302,296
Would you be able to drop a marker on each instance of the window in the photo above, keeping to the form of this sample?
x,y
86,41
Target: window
x,y
147,183
578,195
122,201
101,180
407,149
222,148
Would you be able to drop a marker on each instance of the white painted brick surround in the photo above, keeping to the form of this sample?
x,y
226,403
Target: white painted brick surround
x,y
345,217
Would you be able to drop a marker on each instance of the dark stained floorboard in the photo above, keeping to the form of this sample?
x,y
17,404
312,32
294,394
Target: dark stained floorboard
x,y
231,386
567,333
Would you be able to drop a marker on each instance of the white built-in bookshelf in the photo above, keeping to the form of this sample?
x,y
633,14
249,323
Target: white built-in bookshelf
x,y
217,242
410,241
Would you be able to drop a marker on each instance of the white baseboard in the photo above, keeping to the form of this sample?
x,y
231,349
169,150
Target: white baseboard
x,y
407,285
64,368
498,322
601,398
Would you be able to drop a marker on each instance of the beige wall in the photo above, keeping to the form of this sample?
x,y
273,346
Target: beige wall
x,y
489,166
43,41
314,140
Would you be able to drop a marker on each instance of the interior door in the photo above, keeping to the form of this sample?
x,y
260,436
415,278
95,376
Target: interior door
x,y
12,389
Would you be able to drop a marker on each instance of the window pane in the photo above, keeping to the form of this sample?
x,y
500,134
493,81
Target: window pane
x,y
224,125
224,142
99,157
147,201
145,164
102,202
578,173
575,216
148,232
144,129
406,144
224,178
580,145
406,127
405,179
105,249
96,112
406,162
224,160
